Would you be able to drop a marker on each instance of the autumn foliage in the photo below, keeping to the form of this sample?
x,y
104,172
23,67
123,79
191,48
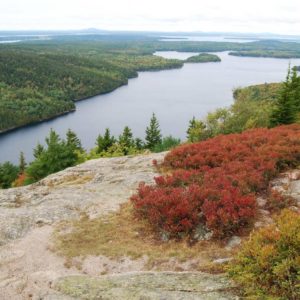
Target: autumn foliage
x,y
268,265
214,182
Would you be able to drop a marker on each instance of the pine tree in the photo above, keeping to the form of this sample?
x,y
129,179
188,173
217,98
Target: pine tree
x,y
126,138
55,157
153,133
8,174
22,162
104,142
139,144
295,89
38,150
73,141
285,111
195,130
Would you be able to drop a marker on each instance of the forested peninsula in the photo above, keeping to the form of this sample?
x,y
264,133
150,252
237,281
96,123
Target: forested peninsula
x,y
37,84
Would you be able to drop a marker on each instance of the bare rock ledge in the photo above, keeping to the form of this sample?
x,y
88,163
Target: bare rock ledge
x,y
30,270
96,186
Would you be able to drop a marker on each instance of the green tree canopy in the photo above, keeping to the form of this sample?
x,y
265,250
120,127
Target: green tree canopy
x,y
22,162
288,104
73,141
8,174
104,142
153,133
55,157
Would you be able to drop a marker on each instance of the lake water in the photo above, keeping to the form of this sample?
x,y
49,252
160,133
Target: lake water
x,y
207,38
175,96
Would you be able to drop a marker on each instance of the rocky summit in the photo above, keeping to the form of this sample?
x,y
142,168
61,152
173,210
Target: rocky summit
x,y
96,187
30,269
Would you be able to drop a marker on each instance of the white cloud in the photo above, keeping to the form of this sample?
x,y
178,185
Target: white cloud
x,y
163,15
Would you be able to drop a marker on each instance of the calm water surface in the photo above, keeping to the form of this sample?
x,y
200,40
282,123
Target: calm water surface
x,y
175,96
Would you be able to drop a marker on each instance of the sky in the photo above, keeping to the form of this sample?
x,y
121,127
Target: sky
x,y
260,16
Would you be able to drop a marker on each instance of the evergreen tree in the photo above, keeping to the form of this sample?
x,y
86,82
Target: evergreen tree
x,y
285,111
57,156
22,162
195,130
8,174
295,90
153,134
73,141
104,142
139,144
126,138
38,150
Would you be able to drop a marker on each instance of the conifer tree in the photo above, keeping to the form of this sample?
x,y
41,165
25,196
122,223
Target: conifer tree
x,y
295,89
195,130
73,141
139,144
55,157
153,133
104,142
285,111
126,138
38,150
22,162
8,174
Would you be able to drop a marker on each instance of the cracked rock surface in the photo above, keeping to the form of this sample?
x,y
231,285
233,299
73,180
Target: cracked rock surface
x,y
96,186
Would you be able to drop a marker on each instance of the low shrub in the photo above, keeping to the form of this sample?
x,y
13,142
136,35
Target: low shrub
x,y
277,201
268,265
214,182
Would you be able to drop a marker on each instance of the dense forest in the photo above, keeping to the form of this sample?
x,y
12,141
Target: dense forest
x,y
267,53
40,83
41,79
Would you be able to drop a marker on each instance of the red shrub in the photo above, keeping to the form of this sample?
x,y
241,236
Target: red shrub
x,y
212,181
173,209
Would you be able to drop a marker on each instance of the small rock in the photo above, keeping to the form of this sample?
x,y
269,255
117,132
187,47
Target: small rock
x,y
294,208
294,175
202,233
264,212
41,222
261,202
164,236
279,189
280,181
233,242
222,260
258,224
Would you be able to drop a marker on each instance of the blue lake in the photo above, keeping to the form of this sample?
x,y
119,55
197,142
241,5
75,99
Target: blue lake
x,y
175,96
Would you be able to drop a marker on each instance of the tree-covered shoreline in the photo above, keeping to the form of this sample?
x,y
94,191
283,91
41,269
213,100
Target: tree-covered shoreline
x,y
41,80
39,84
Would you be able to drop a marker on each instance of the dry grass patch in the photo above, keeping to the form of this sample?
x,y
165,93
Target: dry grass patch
x,y
121,235
71,179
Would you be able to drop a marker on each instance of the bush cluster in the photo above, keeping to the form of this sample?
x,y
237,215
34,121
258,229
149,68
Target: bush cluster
x,y
213,183
268,265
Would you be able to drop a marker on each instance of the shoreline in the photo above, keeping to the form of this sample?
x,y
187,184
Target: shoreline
x,y
5,131
9,130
